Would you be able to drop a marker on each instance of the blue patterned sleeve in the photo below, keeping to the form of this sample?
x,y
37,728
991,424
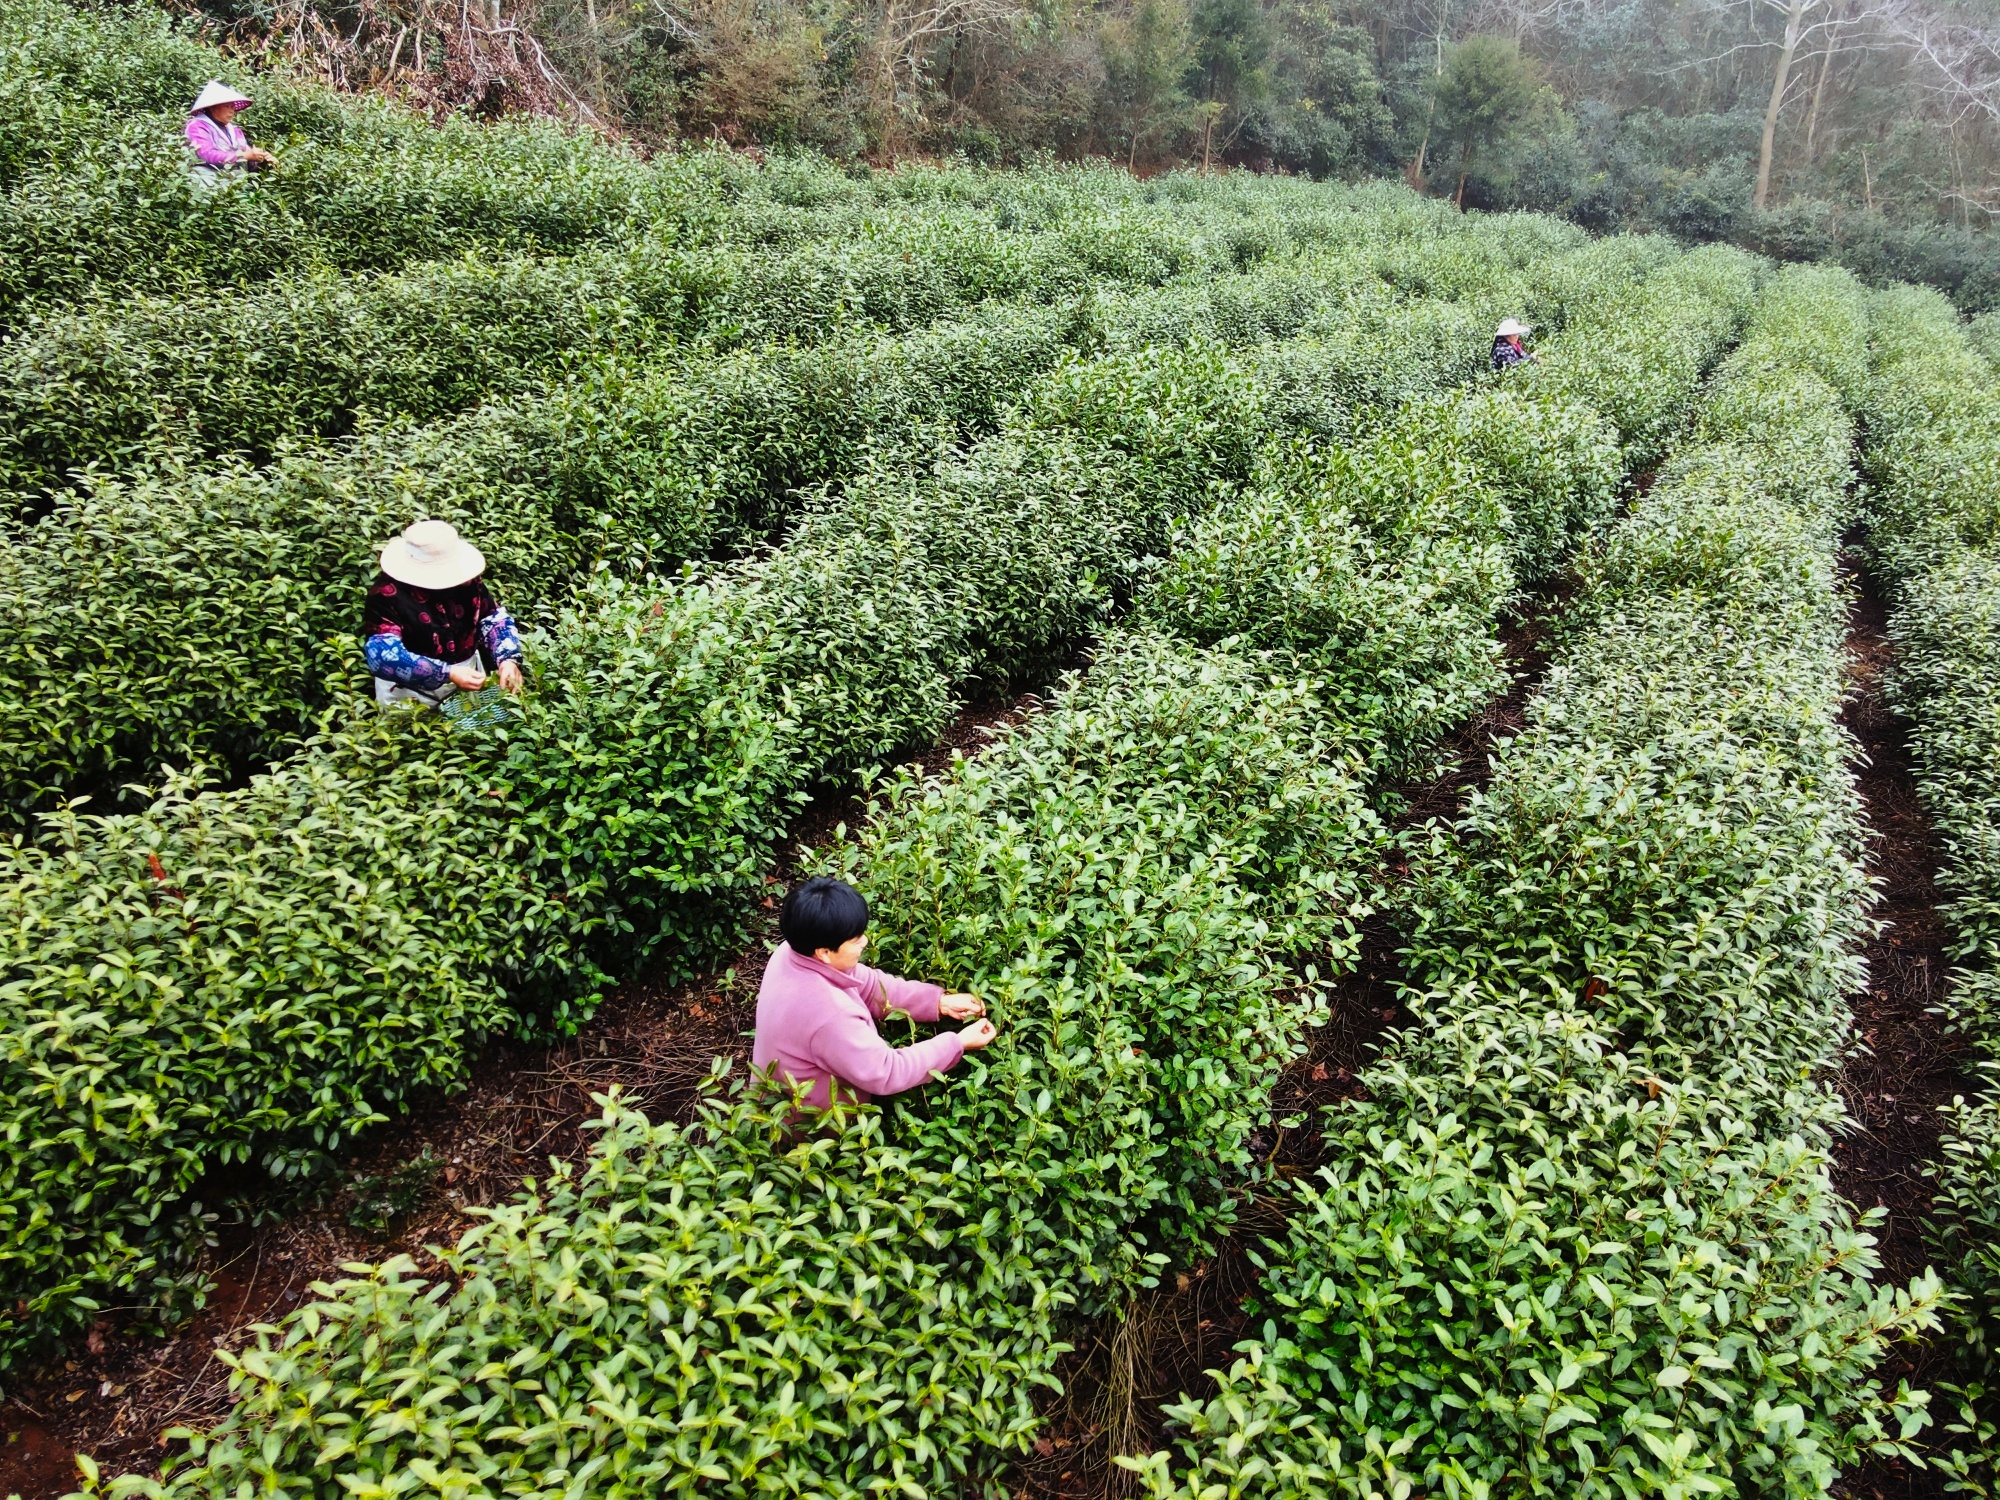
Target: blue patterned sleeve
x,y
502,640
389,657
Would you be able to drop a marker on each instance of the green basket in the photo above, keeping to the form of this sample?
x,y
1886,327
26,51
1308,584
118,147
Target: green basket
x,y
475,713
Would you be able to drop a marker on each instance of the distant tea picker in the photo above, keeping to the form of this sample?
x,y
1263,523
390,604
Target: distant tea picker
x,y
219,142
1507,350
431,626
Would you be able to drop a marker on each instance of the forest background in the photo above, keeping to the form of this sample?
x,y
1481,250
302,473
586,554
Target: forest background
x,y
1866,131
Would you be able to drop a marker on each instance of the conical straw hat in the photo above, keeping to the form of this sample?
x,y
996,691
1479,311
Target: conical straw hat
x,y
216,92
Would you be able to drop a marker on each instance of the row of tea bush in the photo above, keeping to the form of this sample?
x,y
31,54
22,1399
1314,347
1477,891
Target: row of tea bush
x,y
1140,880
1580,1236
181,617
1933,460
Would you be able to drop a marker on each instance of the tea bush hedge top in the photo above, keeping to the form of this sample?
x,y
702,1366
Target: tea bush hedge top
x,y
205,373
1120,877
1115,870
1093,876
686,720
124,658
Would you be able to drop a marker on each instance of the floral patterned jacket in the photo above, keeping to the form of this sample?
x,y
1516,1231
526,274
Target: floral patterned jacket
x,y
414,637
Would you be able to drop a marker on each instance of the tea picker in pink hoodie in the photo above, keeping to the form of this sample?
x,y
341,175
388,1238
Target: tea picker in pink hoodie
x,y
218,141
818,1005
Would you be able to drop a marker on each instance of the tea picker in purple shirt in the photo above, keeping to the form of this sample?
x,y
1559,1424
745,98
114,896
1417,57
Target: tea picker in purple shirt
x,y
213,132
818,1005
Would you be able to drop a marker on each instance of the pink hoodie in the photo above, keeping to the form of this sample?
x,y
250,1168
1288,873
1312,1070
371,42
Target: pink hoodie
x,y
817,1025
217,145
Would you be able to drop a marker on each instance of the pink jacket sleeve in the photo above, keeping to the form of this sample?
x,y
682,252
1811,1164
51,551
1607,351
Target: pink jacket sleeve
x,y
210,141
917,1001
853,1051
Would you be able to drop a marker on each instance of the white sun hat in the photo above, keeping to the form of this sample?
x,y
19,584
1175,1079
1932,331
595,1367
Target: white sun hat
x,y
215,92
1509,327
432,555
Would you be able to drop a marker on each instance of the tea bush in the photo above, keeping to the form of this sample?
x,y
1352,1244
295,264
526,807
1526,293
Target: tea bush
x,y
1649,362
1580,1237
1947,641
1933,437
262,970
1093,875
613,467
362,187
1434,521
1377,566
636,800
1124,877
207,374
1246,422
1119,878
98,192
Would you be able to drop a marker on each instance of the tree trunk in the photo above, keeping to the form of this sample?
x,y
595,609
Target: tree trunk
x,y
1209,111
596,49
1958,180
1464,171
1414,173
951,65
1792,19
1819,87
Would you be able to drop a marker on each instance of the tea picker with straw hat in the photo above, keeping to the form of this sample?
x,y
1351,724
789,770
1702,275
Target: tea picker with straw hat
x,y
432,628
213,132
1507,350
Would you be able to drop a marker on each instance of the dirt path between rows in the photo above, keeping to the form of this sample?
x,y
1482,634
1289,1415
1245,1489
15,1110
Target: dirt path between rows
x,y
1905,1066
118,1391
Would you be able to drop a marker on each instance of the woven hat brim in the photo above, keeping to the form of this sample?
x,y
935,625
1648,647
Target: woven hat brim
x,y
403,565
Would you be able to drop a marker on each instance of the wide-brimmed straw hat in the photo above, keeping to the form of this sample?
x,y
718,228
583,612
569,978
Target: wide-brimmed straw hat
x,y
1510,327
432,555
215,92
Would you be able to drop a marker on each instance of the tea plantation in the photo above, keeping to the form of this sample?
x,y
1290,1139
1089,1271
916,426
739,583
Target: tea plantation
x,y
781,466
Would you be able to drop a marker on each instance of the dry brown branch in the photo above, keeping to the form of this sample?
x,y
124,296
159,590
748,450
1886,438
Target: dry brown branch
x,y
440,55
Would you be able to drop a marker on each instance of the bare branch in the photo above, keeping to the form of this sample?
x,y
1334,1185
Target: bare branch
x,y
1961,63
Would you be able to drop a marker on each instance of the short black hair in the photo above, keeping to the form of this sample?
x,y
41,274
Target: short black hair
x,y
822,913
